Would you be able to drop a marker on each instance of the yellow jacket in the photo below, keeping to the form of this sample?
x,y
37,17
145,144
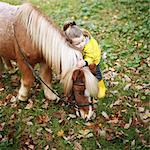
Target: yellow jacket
x,y
91,52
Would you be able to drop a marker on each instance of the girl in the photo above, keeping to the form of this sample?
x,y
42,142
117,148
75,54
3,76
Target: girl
x,y
82,40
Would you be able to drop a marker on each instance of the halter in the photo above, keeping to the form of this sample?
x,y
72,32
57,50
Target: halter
x,y
75,93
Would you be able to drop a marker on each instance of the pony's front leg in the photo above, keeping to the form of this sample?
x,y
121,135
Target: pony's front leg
x,y
46,75
26,81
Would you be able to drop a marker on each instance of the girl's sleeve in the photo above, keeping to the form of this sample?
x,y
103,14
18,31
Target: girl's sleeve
x,y
92,52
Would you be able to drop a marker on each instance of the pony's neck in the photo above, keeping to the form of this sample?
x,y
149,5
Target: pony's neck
x,y
48,39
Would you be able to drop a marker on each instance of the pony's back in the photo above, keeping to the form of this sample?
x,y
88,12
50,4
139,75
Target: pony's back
x,y
7,19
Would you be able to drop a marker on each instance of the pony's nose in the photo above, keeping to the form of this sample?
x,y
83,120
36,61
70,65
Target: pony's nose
x,y
86,115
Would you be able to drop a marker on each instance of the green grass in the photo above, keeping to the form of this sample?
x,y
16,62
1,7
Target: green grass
x,y
122,29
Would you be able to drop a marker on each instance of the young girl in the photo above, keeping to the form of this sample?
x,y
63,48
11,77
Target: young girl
x,y
82,40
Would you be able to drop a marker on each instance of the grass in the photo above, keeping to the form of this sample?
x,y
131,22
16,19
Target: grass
x,y
122,29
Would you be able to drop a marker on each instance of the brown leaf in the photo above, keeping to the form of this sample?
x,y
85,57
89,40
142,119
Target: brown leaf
x,y
104,114
127,87
114,120
77,146
45,105
29,105
48,137
128,124
1,87
31,146
42,118
2,126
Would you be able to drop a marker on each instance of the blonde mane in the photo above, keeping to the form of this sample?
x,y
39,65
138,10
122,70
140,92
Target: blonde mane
x,y
48,39
90,81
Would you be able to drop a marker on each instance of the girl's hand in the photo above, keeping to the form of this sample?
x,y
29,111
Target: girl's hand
x,y
81,63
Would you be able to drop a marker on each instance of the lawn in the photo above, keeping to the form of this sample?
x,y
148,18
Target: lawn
x,y
122,122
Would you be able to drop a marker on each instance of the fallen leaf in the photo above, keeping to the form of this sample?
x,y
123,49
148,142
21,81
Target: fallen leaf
x,y
141,109
29,123
104,114
31,146
127,125
127,87
116,103
48,130
84,132
133,143
77,146
2,89
127,78
2,126
45,105
43,118
13,99
29,105
60,133
71,116
46,147
138,87
48,137
113,120
98,144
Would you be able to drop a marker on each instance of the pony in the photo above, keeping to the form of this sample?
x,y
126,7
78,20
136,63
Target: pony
x,y
24,29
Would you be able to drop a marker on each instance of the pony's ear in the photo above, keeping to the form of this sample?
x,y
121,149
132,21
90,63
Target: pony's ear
x,y
75,75
92,68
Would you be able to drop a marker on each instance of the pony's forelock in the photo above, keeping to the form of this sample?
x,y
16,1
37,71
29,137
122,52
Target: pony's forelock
x,y
90,81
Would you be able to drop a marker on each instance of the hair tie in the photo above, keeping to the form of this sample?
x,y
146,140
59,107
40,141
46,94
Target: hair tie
x,y
69,24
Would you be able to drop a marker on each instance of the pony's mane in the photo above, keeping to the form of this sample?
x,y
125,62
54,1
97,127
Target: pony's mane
x,y
48,38
90,81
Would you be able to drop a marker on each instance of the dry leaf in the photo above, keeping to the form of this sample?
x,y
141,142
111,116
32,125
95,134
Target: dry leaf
x,y
71,116
141,109
48,130
29,123
43,118
48,137
60,133
31,146
13,99
104,114
2,89
2,126
133,143
114,120
116,103
45,105
127,78
46,147
29,105
127,87
77,146
127,125
84,132
89,135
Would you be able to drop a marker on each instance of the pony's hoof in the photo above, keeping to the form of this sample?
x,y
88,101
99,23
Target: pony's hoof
x,y
22,98
52,97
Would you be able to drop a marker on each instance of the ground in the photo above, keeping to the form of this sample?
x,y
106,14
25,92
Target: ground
x,y
121,27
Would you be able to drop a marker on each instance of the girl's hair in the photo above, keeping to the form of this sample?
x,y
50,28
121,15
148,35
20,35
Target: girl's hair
x,y
72,30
